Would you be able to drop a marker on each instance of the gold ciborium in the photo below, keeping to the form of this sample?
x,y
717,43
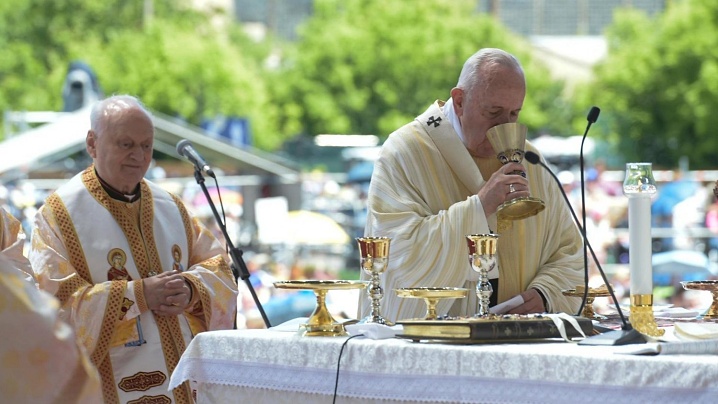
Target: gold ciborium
x,y
482,257
508,141
374,253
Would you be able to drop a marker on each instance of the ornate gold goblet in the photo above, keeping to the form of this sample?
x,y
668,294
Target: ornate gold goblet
x,y
482,256
374,253
509,140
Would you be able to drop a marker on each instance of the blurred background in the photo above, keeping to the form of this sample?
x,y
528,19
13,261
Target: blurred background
x,y
290,101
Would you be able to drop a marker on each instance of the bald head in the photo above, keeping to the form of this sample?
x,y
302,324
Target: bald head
x,y
120,141
110,109
480,68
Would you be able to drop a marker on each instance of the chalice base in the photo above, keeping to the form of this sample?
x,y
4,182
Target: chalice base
x,y
520,208
370,319
322,330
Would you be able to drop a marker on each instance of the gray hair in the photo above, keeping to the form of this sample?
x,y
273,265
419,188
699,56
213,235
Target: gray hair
x,y
479,67
111,105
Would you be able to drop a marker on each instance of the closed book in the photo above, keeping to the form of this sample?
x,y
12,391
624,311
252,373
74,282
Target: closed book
x,y
493,328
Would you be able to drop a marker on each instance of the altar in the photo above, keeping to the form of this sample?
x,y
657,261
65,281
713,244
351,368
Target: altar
x,y
269,366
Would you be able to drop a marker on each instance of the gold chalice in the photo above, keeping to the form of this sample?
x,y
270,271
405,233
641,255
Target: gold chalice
x,y
374,253
509,140
711,286
432,296
482,257
321,323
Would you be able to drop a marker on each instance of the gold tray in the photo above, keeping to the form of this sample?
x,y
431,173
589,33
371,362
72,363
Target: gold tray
x,y
431,296
588,307
711,286
320,285
321,323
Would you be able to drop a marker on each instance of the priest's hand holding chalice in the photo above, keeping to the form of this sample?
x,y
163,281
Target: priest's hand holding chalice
x,y
508,141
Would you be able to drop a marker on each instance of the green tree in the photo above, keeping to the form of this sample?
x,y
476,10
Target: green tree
x,y
369,66
659,85
175,59
181,72
36,37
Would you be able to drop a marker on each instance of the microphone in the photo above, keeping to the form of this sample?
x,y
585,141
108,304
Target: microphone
x,y
591,118
627,334
185,149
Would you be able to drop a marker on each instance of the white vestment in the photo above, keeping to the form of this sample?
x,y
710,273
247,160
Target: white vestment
x,y
423,195
92,252
12,242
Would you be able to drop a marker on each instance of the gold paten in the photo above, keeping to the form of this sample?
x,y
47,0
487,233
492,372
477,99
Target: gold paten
x,y
641,316
321,323
509,141
711,286
588,311
432,296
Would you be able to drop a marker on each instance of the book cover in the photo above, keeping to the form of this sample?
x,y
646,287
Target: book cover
x,y
494,328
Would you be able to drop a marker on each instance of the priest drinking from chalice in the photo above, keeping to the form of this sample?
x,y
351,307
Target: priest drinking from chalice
x,y
439,179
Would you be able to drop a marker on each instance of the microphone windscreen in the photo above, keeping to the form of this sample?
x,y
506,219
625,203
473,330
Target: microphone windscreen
x,y
532,157
181,145
593,114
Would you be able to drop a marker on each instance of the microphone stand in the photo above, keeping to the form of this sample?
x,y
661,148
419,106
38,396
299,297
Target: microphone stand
x,y
583,224
234,253
627,334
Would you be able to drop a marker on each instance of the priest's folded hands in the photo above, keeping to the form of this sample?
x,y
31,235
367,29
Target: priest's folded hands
x,y
168,293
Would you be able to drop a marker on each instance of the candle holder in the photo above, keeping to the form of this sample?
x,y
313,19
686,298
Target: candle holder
x,y
508,141
639,186
374,253
482,257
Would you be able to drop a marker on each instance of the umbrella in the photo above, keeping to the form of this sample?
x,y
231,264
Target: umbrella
x,y
313,228
361,172
231,200
670,194
680,264
285,307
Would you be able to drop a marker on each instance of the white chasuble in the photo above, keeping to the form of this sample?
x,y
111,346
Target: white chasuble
x,y
92,252
423,195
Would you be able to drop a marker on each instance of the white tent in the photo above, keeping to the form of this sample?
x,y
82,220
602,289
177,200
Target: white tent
x,y
33,148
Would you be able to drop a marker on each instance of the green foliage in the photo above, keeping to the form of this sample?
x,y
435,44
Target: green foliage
x,y
360,66
180,72
370,66
661,83
172,58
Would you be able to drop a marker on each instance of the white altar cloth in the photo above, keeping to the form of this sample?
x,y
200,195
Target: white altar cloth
x,y
258,366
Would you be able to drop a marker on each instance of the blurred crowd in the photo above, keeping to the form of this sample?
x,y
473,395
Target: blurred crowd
x,y
684,215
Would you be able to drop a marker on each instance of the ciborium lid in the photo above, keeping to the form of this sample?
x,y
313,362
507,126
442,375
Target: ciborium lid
x,y
508,141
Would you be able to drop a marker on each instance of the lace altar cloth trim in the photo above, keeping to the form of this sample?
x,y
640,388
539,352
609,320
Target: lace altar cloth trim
x,y
441,373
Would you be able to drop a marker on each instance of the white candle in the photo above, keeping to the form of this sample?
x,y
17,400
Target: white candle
x,y
639,186
639,244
